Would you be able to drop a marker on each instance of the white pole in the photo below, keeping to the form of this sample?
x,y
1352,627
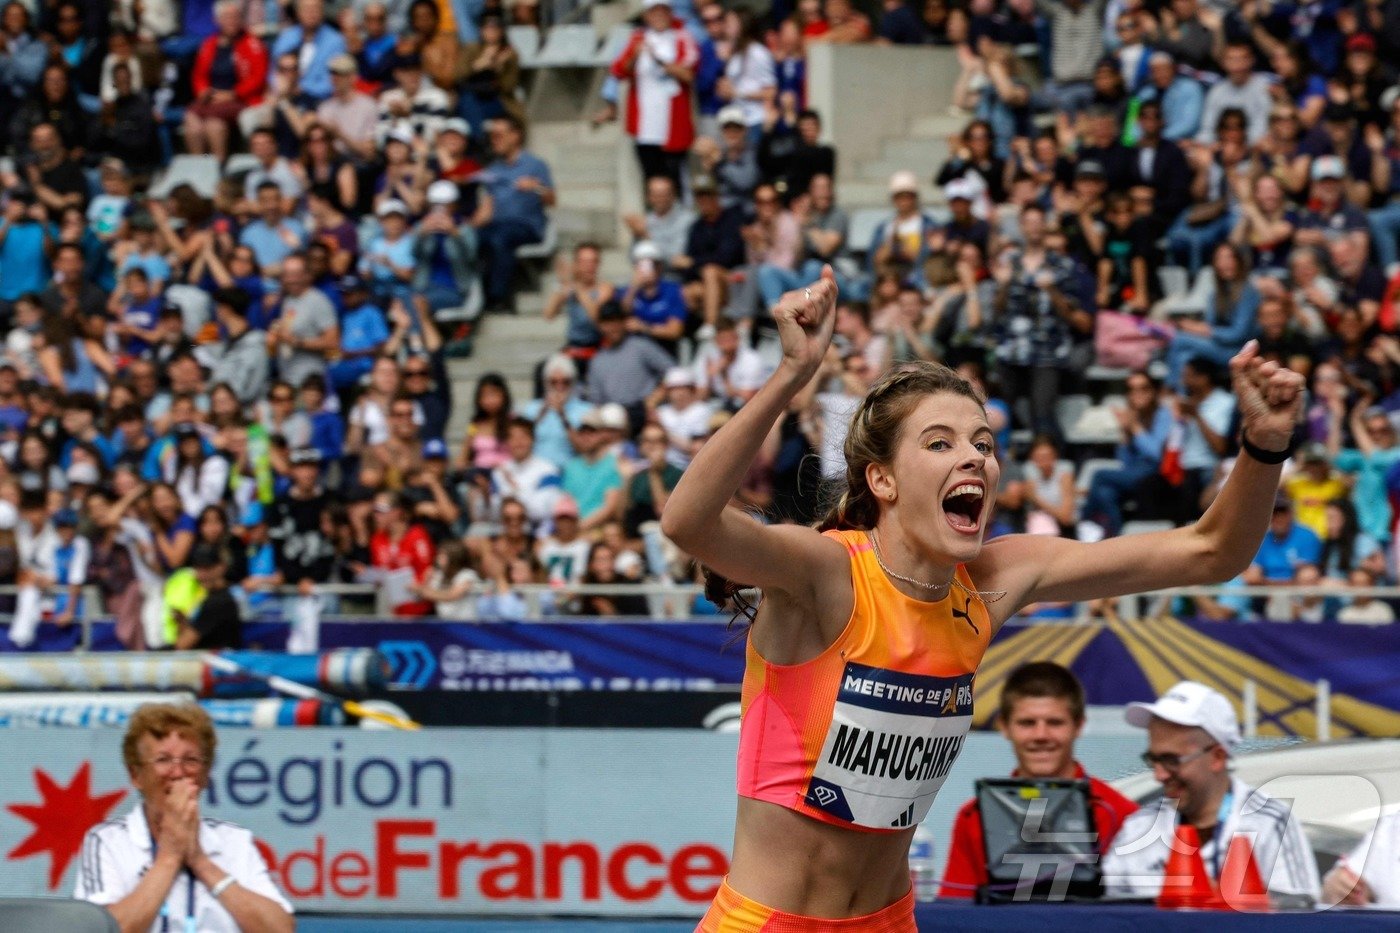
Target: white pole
x,y
1249,698
1324,711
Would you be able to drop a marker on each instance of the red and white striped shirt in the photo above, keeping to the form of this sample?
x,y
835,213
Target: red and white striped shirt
x,y
659,107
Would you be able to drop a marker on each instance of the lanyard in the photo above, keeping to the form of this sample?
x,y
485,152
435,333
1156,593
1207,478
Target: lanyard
x,y
1218,840
190,925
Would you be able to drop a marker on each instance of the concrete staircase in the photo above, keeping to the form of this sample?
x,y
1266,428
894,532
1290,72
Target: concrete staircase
x,y
597,181
921,149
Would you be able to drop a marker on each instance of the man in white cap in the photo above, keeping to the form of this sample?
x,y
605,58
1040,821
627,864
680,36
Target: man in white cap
x,y
656,304
444,249
903,238
683,415
1191,734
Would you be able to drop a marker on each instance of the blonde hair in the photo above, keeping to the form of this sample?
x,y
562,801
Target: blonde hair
x,y
159,720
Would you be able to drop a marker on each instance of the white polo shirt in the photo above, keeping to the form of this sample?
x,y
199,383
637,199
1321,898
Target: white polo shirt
x,y
117,853
1135,861
1377,860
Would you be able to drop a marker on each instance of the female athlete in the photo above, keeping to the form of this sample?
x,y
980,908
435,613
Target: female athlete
x,y
858,684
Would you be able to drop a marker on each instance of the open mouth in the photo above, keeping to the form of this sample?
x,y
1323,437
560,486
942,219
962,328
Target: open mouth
x,y
963,507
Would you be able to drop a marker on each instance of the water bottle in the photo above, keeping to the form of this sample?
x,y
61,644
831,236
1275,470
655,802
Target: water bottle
x,y
923,872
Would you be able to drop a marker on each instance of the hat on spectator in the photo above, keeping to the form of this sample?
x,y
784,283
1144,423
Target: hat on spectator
x,y
648,4
1191,704
142,220
611,310
592,419
731,115
613,417
1282,503
83,474
185,430
1089,168
343,64
434,449
704,184
111,165
646,249
627,563
9,516
560,365
1316,452
904,182
1328,167
959,189
679,377
65,518
1361,42
351,283
304,455
455,125
443,191
251,515
391,206
205,555
565,507
403,133
1161,55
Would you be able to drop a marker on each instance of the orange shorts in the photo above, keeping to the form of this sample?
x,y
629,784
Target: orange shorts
x,y
731,912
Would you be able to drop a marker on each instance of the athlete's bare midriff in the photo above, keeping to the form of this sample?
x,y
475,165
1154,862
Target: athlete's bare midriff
x,y
796,864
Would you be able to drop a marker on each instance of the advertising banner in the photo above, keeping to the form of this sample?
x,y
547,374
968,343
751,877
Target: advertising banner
x,y
565,822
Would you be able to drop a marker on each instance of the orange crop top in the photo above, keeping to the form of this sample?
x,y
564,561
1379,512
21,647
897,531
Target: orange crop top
x,y
864,734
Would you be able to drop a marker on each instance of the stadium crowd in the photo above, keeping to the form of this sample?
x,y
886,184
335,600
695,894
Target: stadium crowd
x,y
243,380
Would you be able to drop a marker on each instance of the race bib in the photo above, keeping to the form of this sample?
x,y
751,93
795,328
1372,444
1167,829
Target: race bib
x,y
892,741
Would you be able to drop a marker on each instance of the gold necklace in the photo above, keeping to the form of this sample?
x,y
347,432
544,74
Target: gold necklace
x,y
982,596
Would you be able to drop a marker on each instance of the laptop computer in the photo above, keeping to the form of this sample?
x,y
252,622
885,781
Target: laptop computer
x,y
1040,838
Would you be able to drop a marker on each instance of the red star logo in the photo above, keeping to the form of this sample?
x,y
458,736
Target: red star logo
x,y
62,819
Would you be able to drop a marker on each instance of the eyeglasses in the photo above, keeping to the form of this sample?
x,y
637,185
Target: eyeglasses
x,y
401,414
559,382
415,373
287,68
711,20
1174,762
169,762
280,398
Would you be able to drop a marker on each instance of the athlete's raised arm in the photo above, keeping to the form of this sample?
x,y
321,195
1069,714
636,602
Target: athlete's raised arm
x,y
697,518
1214,549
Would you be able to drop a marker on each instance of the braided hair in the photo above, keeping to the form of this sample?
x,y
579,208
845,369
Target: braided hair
x,y
872,437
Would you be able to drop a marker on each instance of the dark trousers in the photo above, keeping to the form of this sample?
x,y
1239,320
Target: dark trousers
x,y
499,241
657,161
1038,388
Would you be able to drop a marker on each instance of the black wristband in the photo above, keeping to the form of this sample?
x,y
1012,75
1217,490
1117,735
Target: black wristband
x,y
1271,457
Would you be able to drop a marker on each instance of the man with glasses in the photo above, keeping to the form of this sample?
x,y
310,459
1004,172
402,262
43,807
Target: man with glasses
x,y
1191,735
165,865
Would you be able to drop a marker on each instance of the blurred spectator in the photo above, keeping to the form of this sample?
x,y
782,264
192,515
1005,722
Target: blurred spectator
x,y
1145,423
1312,486
592,476
1049,489
1365,610
1231,306
559,412
900,242
659,63
684,416
451,584
666,222
656,305
1180,99
485,444
1345,547
791,153
308,333
521,188
628,365
603,569
524,476
350,116
844,24
727,370
315,42
1287,547
713,249
1242,89
488,75
733,163
414,104
564,552
230,73
1376,450
580,295
402,554
444,248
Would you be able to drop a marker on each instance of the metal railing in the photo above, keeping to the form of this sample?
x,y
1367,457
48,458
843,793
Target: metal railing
x,y
670,602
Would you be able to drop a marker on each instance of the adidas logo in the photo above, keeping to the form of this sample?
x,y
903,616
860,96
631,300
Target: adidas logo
x,y
905,819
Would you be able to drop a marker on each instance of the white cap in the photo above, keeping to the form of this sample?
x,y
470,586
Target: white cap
x,y
83,474
904,181
677,377
391,206
9,516
613,416
1328,166
733,113
627,563
960,188
646,249
443,191
402,133
648,4
1191,704
455,125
